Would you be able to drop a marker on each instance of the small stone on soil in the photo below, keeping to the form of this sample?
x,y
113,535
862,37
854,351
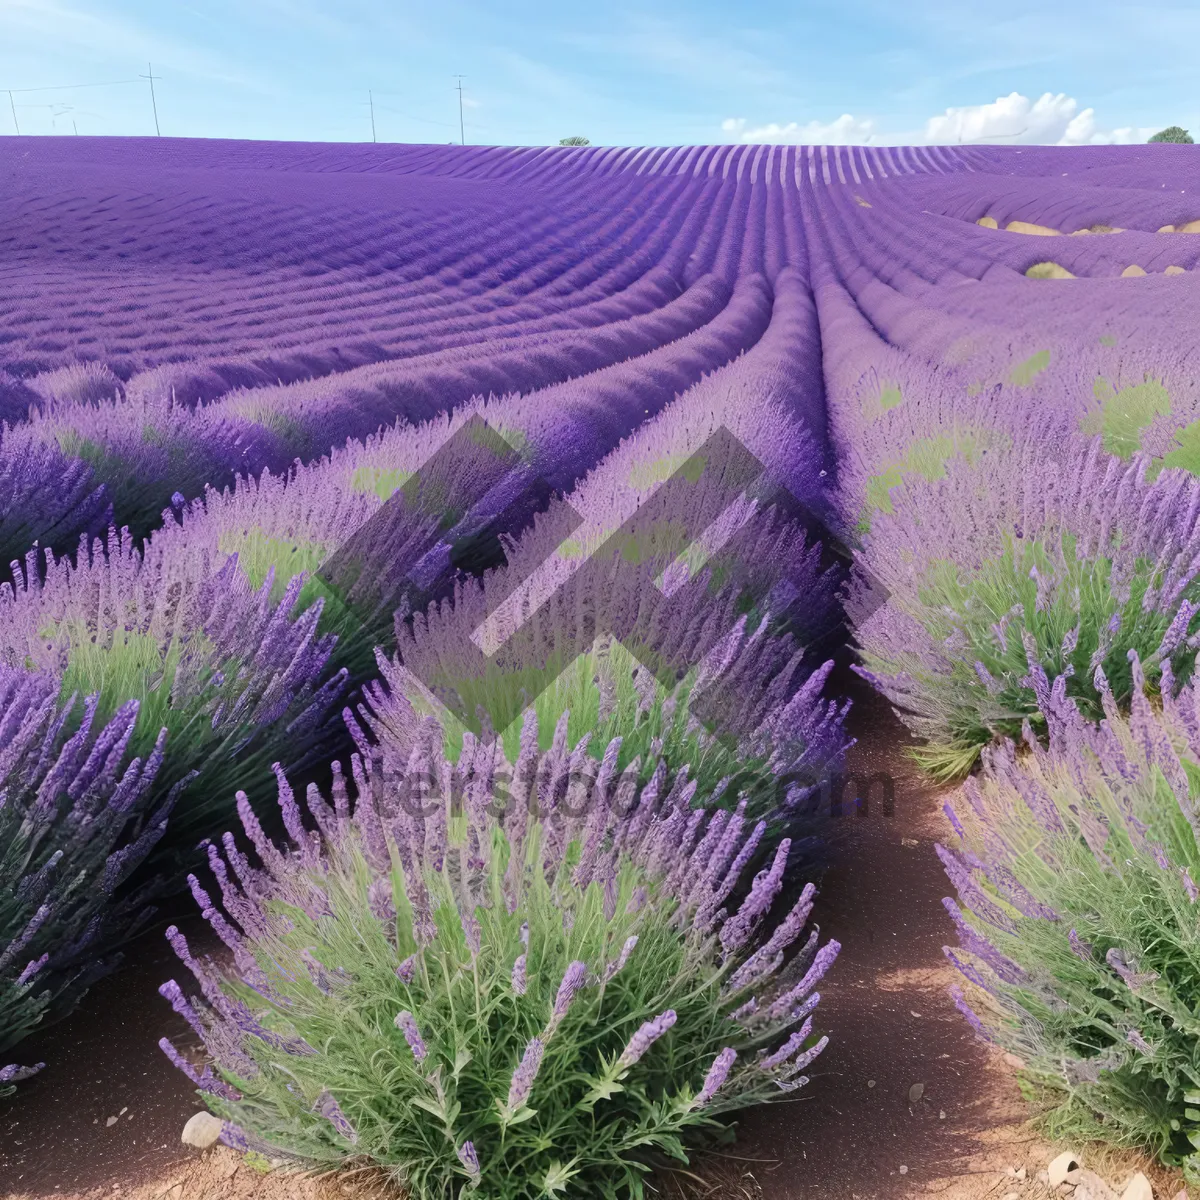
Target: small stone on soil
x,y
202,1130
870,1083
916,1092
110,1122
1138,1188
1059,1167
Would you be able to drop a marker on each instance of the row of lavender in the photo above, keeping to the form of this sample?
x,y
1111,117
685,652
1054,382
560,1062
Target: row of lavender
x,y
502,926
1016,446
1009,465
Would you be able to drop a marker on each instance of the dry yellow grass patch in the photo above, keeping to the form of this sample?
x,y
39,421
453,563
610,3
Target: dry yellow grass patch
x,y
988,222
1097,229
1029,227
1186,227
1048,270
1175,271
1130,272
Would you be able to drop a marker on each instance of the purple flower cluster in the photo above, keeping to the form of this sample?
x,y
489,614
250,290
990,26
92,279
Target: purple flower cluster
x,y
692,860
78,815
250,678
1054,853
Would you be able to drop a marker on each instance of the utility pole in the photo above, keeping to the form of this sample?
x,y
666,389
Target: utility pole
x,y
371,102
461,132
153,102
14,112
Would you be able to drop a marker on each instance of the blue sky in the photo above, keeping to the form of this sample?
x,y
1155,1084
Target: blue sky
x,y
659,72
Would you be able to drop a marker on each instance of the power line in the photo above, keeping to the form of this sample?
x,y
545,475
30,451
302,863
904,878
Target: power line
x,y
461,130
66,87
153,102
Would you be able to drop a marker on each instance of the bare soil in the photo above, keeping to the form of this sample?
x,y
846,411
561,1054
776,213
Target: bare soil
x,y
853,1133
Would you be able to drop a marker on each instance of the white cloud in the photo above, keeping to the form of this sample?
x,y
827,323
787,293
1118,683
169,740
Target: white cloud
x,y
1048,121
845,131
1055,120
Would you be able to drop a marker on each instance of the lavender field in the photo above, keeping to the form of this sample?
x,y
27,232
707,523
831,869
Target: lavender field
x,y
450,569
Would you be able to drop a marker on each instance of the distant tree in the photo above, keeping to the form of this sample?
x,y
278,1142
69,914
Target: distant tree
x,y
1174,134
581,141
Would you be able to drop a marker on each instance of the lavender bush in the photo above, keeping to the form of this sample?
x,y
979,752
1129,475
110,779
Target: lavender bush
x,y
498,976
76,817
1066,564
1076,871
237,677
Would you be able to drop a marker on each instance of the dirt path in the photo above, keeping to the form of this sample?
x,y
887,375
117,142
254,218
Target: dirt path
x,y
847,1138
855,1135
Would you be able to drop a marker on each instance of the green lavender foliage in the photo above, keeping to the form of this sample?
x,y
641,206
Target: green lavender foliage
x,y
78,815
402,974
1078,929
996,571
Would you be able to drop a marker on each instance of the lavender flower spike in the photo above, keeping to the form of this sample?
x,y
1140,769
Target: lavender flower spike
x,y
234,1136
523,1076
14,1074
518,976
1135,1039
645,1037
406,970
329,1108
470,1161
619,962
407,1024
1134,978
762,895
572,980
715,1079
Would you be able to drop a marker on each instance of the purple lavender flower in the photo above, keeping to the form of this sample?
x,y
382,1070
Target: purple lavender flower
x,y
794,995
1135,1039
379,898
206,1080
956,994
715,1079
644,1038
524,1075
572,980
234,1137
327,1107
406,970
174,993
407,1024
1134,978
619,962
745,1011
470,1160
31,970
788,1048
1193,892
15,1074
762,895
518,976
472,933
1079,947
